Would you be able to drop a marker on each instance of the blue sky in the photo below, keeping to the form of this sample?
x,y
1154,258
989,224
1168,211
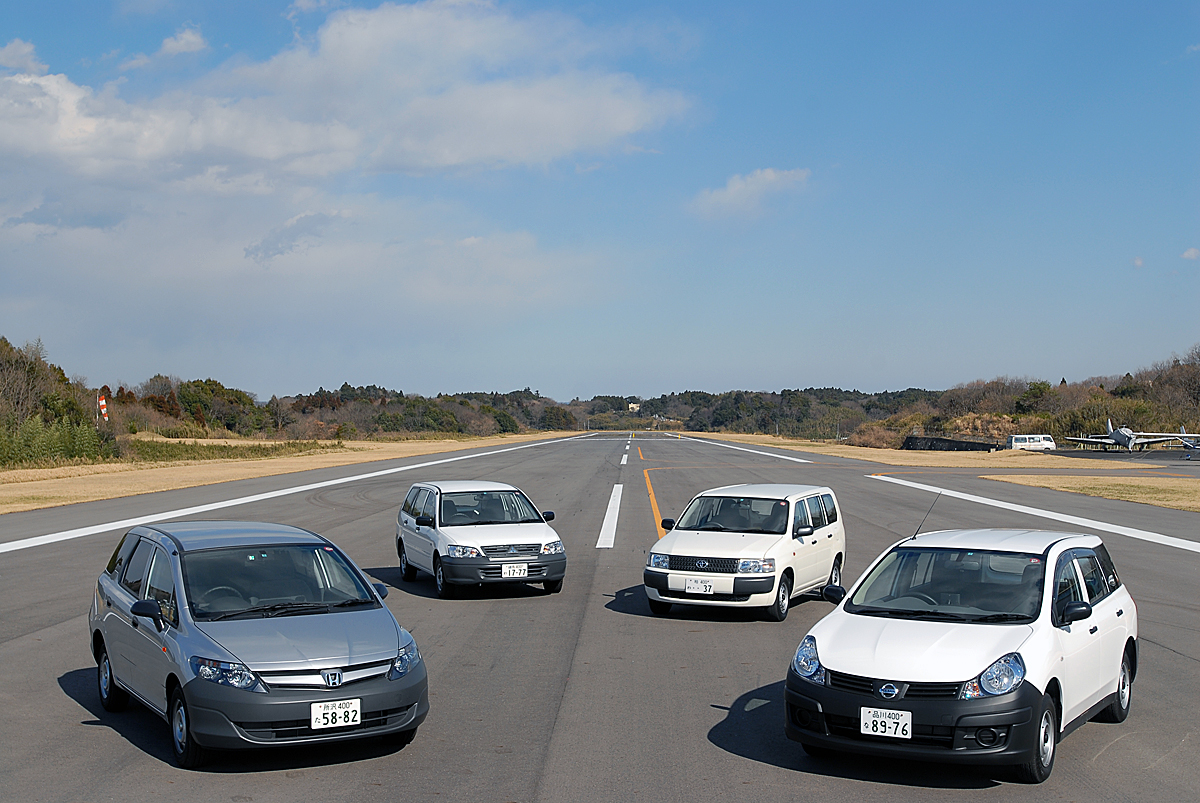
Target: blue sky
x,y
630,198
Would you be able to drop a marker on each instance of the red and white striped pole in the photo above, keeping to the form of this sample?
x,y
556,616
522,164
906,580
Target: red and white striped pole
x,y
103,408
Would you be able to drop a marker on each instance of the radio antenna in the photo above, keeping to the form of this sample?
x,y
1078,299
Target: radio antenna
x,y
922,524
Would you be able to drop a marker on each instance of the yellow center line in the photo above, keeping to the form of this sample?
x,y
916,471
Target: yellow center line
x,y
640,454
654,505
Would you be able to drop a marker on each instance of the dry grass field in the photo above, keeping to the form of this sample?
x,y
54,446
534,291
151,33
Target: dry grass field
x,y
1181,493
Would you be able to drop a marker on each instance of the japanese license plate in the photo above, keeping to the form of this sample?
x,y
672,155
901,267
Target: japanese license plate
x,y
884,722
335,714
693,585
514,570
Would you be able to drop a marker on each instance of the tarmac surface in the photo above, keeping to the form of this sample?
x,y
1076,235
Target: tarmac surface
x,y
583,695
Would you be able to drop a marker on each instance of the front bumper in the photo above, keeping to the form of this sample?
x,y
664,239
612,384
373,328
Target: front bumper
x,y
991,730
733,590
470,571
225,717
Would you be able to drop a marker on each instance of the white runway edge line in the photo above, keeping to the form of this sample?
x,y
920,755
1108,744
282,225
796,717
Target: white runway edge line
x,y
608,530
80,532
1141,535
751,451
624,459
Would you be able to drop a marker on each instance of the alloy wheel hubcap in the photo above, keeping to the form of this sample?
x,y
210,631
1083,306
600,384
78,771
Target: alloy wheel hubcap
x,y
1046,740
1123,691
179,728
105,676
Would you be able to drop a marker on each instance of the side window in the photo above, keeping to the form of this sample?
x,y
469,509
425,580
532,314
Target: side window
x,y
1093,576
120,555
1110,571
422,495
815,513
135,570
429,505
830,508
410,501
1066,585
160,587
800,517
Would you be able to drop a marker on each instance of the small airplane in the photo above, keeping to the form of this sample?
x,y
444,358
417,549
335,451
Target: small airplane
x,y
1188,444
1126,437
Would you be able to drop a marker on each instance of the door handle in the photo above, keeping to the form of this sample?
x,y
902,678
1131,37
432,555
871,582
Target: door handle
x,y
1093,629
134,622
1120,612
814,540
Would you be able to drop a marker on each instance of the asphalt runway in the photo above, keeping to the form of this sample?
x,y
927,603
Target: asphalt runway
x,y
582,695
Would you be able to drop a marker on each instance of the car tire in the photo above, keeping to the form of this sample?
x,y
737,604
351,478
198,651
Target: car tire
x,y
444,590
188,754
400,740
658,607
1041,763
835,573
552,586
778,610
408,572
112,697
1118,709
814,751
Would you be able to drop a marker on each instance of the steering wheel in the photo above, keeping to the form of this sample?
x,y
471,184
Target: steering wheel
x,y
922,597
232,592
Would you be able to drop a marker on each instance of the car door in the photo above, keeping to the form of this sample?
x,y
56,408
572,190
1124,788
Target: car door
x,y
426,537
806,558
1107,618
416,543
120,630
1079,643
835,531
153,648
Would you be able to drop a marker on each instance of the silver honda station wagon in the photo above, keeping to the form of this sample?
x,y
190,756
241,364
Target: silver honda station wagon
x,y
242,634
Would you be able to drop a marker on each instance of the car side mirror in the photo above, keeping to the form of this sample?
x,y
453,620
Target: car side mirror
x,y
547,516
424,521
149,609
381,588
801,532
1076,611
668,524
834,594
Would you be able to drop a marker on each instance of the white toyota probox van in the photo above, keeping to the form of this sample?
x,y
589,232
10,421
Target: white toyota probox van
x,y
747,546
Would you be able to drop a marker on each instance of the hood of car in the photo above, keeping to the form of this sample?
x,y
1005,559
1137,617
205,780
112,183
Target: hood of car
x,y
496,534
313,641
715,544
912,651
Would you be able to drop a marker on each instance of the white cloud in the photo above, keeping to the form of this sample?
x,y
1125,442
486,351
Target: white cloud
x,y
1191,253
134,62
743,195
187,40
1138,262
1193,48
20,55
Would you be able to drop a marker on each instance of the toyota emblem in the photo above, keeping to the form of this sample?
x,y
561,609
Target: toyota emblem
x,y
332,677
701,564
888,690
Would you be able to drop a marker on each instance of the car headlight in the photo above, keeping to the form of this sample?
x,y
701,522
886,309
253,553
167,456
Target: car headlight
x,y
806,663
408,657
456,551
553,548
1000,678
657,560
223,673
755,566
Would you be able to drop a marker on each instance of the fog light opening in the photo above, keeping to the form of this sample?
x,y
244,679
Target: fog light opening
x,y
986,737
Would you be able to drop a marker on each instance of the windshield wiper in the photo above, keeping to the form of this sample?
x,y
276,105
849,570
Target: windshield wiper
x,y
908,613
275,609
712,527
761,531
1004,617
346,603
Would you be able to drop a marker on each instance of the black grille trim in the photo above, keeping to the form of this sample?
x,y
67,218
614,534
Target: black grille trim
x,y
535,570
704,597
687,563
299,728
502,550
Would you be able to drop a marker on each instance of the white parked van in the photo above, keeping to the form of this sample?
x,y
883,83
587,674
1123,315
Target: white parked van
x,y
1031,443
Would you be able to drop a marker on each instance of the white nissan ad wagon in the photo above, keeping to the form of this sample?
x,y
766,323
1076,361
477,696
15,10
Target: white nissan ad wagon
x,y
748,546
969,646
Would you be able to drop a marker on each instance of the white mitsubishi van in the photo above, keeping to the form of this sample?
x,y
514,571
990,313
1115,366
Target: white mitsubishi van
x,y
748,546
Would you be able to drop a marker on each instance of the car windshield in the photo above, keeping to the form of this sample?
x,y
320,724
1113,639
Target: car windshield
x,y
959,585
487,507
288,580
737,514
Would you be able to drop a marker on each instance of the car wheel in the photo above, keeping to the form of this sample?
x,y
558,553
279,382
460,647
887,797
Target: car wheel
x,y
658,607
835,574
816,752
188,754
778,610
407,571
444,590
112,697
402,739
1040,765
552,586
1118,709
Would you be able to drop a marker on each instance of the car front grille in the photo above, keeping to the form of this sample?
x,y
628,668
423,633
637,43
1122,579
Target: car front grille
x,y
686,563
681,595
534,570
311,678
511,550
299,728
914,691
931,735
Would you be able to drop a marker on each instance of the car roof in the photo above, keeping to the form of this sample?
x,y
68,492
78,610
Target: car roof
x,y
461,486
194,535
1027,541
764,490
